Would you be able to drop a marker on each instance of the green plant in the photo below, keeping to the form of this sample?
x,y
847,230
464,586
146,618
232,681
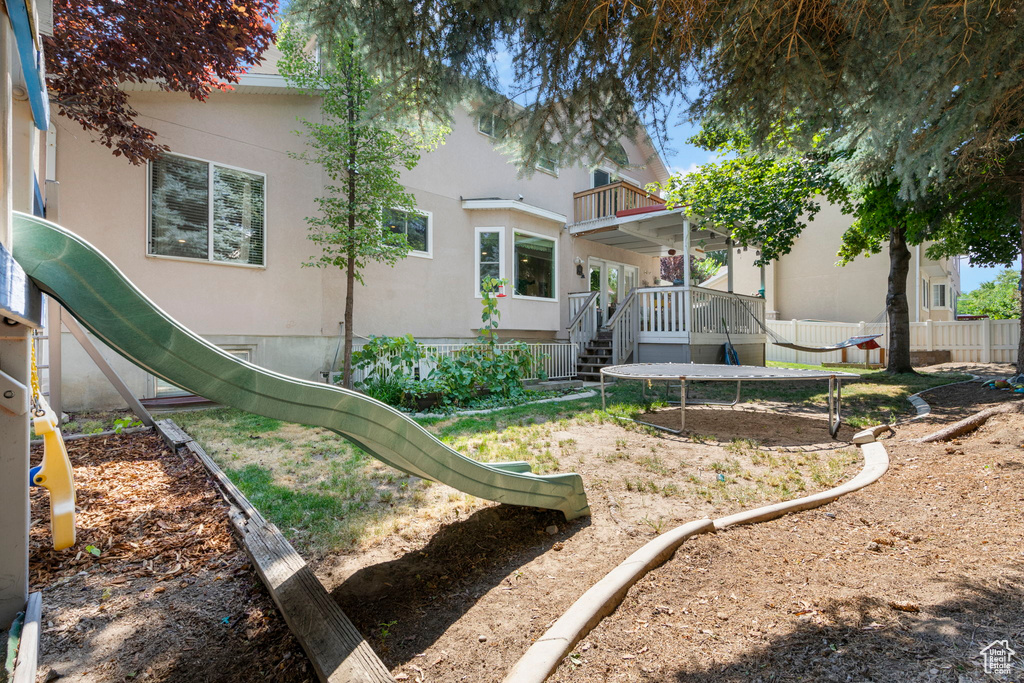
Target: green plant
x,y
92,427
124,423
385,629
361,157
656,524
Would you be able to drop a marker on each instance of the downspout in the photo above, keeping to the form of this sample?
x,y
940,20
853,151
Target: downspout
x,y
729,264
917,283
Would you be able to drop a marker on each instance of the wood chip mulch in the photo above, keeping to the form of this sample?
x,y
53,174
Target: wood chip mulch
x,y
156,587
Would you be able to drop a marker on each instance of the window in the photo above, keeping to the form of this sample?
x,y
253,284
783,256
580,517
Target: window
x,y
205,211
548,165
617,154
164,389
492,125
490,243
939,296
601,177
415,227
924,294
535,266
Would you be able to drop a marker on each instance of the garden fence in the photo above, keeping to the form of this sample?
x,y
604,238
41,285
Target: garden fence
x,y
969,341
557,360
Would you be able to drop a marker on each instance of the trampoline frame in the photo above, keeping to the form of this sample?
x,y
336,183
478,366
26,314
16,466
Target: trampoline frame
x,y
835,388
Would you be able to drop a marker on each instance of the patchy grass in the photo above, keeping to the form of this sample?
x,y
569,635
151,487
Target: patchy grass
x,y
327,495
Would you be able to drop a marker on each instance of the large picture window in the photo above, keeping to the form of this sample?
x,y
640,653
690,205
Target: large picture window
x,y
415,227
205,211
534,266
490,245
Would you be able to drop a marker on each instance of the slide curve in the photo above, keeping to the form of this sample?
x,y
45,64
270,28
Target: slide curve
x,y
106,303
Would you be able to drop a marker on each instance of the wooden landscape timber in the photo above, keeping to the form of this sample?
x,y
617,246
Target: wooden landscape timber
x,y
969,424
337,650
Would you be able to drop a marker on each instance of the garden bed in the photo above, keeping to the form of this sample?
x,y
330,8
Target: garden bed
x,y
156,587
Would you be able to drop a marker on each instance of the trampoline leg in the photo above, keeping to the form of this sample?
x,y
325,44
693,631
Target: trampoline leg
x,y
682,403
737,393
603,407
833,408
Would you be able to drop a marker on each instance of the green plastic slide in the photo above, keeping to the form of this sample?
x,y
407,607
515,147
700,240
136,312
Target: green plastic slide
x,y
103,300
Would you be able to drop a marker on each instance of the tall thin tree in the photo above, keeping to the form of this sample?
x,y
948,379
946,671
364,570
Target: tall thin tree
x,y
362,160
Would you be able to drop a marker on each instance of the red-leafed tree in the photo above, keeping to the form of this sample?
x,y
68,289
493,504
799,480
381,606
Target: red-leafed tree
x,y
192,46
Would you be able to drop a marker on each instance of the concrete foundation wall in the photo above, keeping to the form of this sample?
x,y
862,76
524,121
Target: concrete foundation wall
x,y
750,354
84,387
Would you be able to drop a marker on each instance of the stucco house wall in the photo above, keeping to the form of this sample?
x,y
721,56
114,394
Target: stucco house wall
x,y
807,283
287,316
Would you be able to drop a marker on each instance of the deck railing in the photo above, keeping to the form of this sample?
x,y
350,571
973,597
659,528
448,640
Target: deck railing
x,y
623,326
604,201
714,312
557,360
583,322
662,313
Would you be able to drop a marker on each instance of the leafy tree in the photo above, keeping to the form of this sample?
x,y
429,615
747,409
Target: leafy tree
x,y
192,46
362,160
923,95
881,218
767,200
955,220
999,299
672,267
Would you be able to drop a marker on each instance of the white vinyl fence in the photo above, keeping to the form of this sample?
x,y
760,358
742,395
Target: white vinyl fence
x,y
969,341
558,360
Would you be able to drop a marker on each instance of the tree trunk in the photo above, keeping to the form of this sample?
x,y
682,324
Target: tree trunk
x,y
1020,344
896,302
350,285
350,264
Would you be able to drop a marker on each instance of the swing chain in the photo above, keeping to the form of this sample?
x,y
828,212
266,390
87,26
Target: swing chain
x,y
37,407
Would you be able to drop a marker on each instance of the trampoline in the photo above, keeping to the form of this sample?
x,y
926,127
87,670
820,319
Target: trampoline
x,y
694,372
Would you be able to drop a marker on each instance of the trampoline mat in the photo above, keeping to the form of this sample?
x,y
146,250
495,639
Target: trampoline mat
x,y
712,373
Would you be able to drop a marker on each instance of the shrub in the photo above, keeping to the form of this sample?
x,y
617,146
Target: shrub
x,y
458,377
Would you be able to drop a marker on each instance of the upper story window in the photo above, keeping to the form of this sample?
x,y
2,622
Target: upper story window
x,y
601,177
205,211
491,125
535,259
616,153
548,165
925,299
939,295
416,226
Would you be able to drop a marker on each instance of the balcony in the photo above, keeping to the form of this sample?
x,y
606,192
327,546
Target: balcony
x,y
608,200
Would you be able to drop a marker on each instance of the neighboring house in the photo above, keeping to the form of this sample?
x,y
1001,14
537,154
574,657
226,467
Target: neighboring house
x,y
215,234
806,284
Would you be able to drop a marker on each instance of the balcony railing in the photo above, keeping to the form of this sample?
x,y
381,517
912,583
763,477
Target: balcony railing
x,y
607,200
685,315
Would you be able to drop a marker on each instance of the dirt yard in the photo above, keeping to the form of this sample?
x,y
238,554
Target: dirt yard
x,y
905,580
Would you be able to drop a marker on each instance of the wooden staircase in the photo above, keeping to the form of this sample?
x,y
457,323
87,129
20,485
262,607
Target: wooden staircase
x,y
596,355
